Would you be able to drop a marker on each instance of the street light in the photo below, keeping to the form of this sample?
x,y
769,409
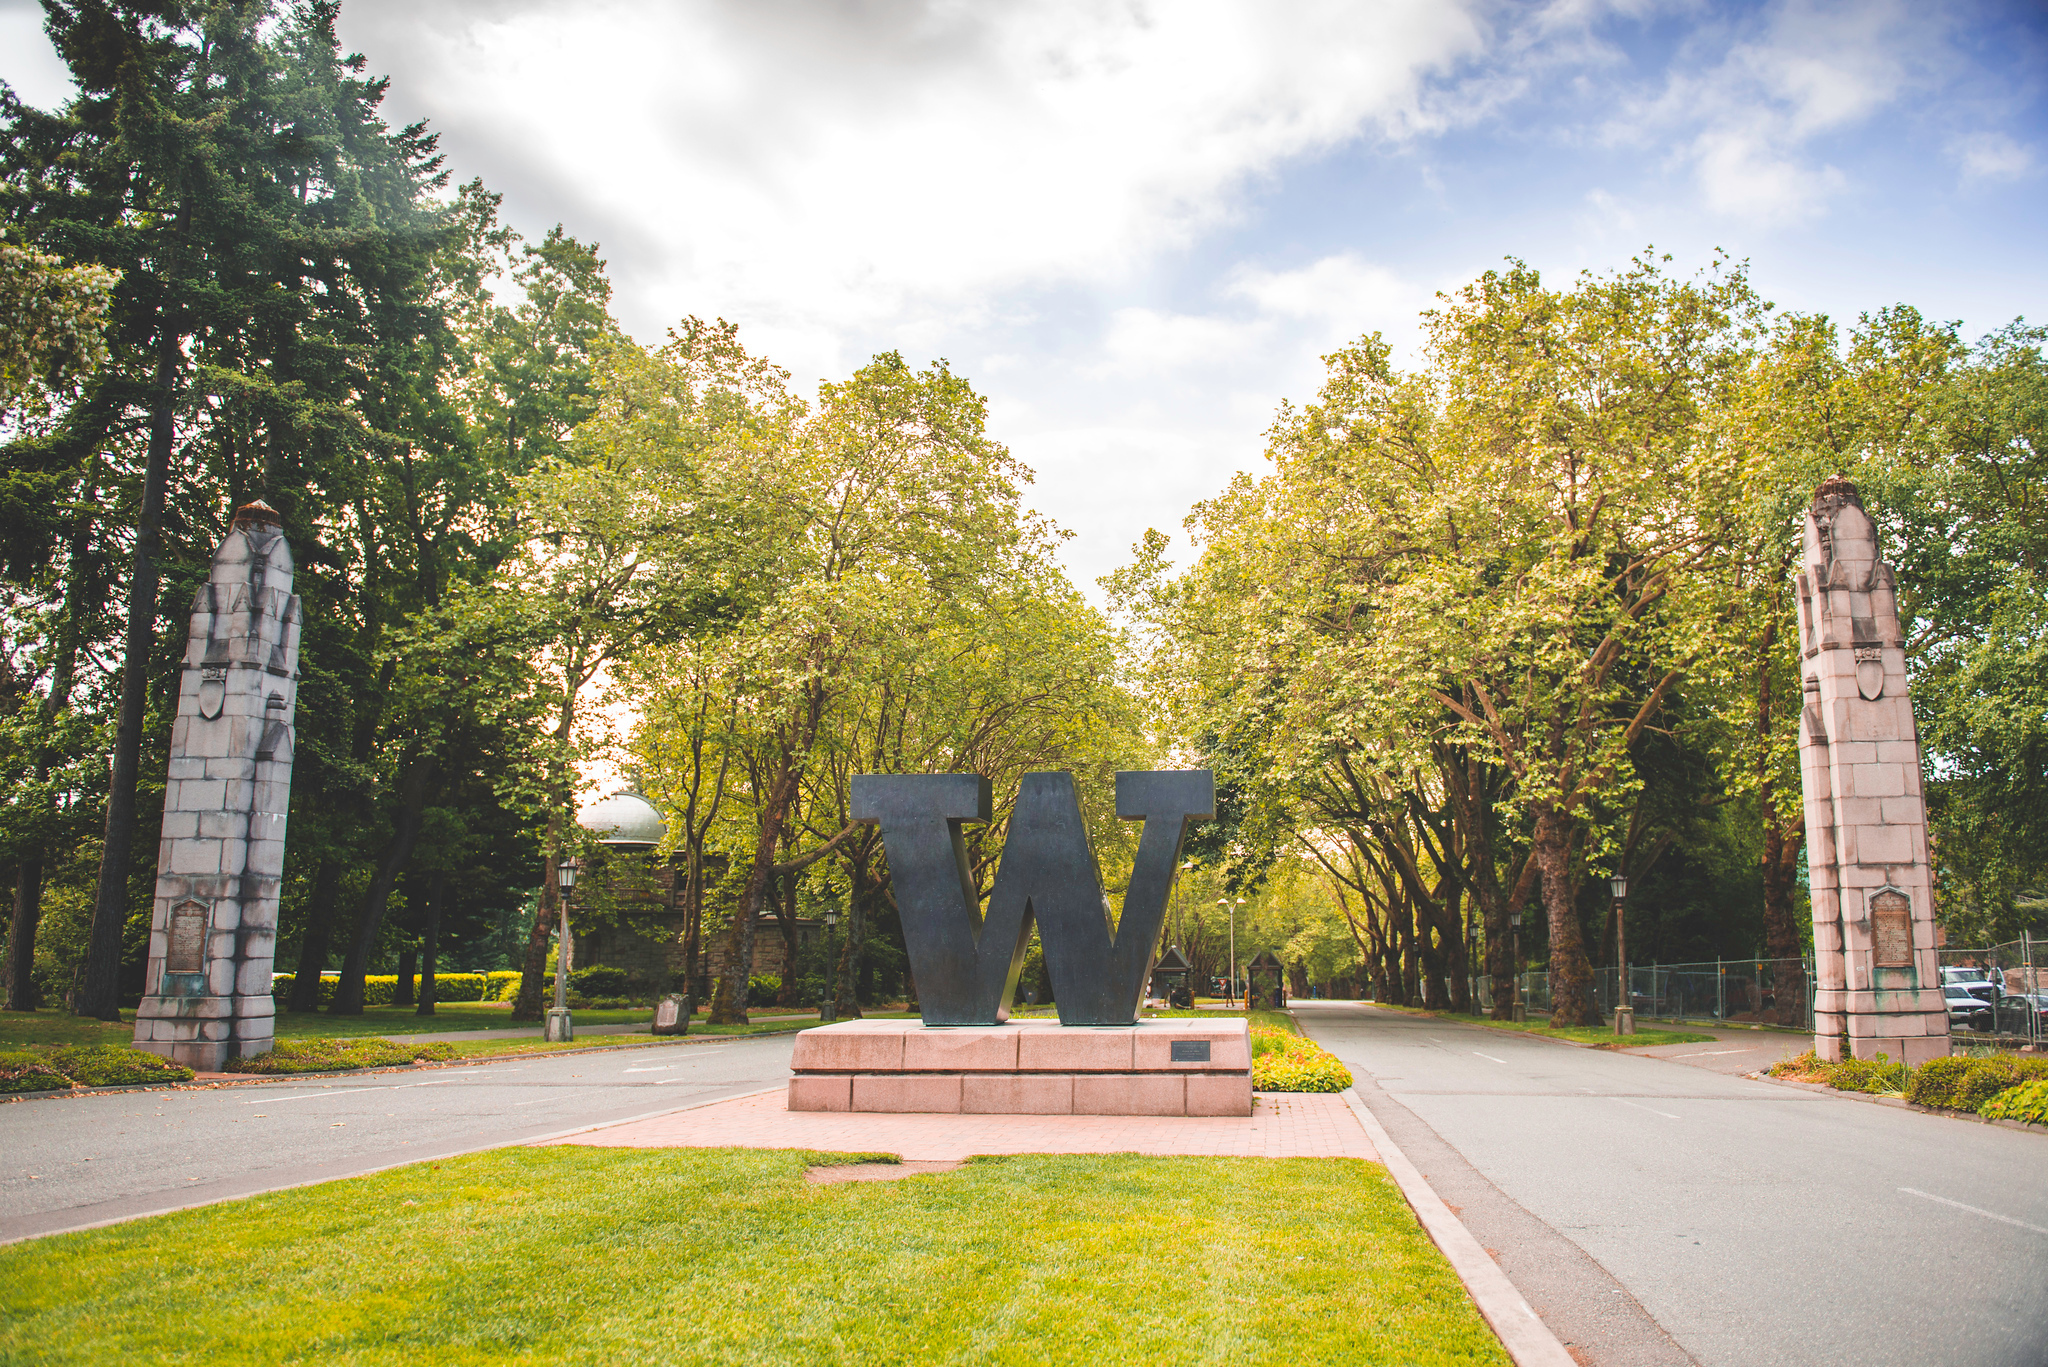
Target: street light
x,y
1519,1012
1225,903
561,1026
1624,1010
828,1005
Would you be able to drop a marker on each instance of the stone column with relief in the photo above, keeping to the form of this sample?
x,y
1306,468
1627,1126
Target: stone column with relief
x,y
1877,976
213,931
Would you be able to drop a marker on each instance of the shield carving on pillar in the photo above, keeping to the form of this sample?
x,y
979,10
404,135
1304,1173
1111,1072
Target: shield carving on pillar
x,y
1870,672
213,690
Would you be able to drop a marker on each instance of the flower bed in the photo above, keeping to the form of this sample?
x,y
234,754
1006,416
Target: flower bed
x,y
1959,1083
1283,1061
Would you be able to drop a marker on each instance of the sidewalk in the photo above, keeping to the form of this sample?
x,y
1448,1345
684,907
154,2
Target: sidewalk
x,y
535,1031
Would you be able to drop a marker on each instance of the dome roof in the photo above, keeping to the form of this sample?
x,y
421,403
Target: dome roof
x,y
625,820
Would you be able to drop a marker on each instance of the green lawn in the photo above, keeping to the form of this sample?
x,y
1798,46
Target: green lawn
x,y
578,1255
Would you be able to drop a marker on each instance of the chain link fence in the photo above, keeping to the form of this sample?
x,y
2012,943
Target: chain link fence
x,y
2008,980
1747,991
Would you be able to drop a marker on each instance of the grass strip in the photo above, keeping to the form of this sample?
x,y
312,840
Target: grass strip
x,y
723,1256
1599,1036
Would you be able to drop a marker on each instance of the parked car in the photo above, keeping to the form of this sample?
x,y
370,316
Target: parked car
x,y
1965,1009
1972,980
2011,1013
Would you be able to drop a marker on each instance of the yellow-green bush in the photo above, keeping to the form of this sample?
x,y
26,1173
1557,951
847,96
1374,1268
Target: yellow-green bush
x,y
2028,1102
1966,1084
1286,1062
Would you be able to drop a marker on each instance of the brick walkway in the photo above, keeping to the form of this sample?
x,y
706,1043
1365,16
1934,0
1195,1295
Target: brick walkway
x,y
1282,1125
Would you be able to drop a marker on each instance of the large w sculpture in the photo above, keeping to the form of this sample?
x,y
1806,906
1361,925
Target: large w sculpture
x,y
966,961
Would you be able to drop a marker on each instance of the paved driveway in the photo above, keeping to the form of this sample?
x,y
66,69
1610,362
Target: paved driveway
x,y
81,1160
1657,1212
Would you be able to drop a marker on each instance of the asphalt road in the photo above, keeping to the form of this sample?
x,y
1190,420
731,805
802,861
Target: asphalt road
x,y
78,1161
1654,1212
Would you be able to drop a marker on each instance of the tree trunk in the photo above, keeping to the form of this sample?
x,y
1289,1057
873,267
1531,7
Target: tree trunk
x,y
1783,843
1571,976
348,993
21,934
408,965
527,1006
430,942
729,1006
785,909
839,975
305,994
100,994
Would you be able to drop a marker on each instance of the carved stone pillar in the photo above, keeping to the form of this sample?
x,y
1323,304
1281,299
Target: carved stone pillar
x,y
1877,974
213,932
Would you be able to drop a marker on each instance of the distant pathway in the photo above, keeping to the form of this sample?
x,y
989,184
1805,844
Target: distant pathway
x,y
1660,1211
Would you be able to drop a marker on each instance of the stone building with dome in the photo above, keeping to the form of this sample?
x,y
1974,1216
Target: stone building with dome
x,y
638,922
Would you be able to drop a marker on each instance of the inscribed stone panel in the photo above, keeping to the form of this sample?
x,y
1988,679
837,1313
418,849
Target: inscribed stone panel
x,y
1891,929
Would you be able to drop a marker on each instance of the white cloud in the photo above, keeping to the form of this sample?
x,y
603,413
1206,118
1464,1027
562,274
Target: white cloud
x,y
1994,156
1742,107
27,61
816,168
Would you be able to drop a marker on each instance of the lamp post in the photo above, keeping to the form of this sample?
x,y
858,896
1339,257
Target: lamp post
x,y
1225,903
561,1026
1624,1009
1521,1010
828,1006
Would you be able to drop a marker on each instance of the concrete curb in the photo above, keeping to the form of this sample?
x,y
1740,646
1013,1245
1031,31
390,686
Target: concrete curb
x,y
406,1162
1521,1331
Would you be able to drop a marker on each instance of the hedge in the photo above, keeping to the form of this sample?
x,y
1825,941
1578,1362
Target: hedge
x,y
1967,1084
379,988
329,1055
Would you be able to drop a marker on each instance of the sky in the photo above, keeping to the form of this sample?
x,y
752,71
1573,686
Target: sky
x,y
1137,227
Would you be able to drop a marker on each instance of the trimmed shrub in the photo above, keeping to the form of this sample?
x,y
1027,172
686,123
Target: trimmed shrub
x,y
1968,1084
599,980
115,1065
2028,1102
763,989
1286,1062
379,988
24,1072
331,1055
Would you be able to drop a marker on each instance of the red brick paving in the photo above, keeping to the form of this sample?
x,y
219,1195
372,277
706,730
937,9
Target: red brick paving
x,y
1282,1125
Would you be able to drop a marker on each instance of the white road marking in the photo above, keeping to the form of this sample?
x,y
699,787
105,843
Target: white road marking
x,y
535,1102
1639,1106
347,1091
1490,1058
662,1069
1709,1053
1974,1210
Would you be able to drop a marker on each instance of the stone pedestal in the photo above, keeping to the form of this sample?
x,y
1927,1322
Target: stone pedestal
x,y
1165,1067
213,930
1876,973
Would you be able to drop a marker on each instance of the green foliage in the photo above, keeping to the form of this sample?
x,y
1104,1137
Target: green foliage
x,y
1283,1061
330,1055
1965,1083
2028,1101
599,980
379,988
22,1072
114,1065
52,321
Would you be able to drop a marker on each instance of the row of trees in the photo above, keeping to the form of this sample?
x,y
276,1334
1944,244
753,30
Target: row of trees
x,y
525,543
1522,616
